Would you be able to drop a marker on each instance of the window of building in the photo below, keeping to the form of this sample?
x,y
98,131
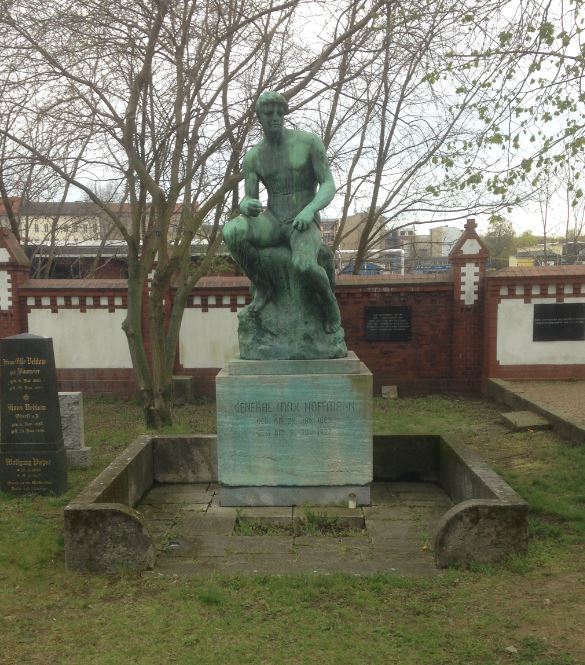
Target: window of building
x,y
36,227
46,228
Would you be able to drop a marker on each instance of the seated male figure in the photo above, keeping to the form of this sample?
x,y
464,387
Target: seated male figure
x,y
292,165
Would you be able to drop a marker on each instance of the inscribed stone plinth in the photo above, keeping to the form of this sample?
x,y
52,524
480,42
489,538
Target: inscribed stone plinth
x,y
32,455
286,438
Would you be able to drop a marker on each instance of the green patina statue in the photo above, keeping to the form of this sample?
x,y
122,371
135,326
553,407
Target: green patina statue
x,y
293,313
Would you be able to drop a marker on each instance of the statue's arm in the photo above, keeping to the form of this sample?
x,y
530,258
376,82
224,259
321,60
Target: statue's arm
x,y
250,205
326,191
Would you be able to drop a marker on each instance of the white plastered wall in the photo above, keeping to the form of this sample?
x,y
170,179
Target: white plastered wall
x,y
469,282
5,290
84,339
515,345
208,339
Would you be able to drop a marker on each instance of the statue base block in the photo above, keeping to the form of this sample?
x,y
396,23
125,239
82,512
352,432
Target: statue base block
x,y
294,432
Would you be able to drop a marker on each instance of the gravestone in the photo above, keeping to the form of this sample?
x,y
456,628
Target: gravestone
x,y
71,407
32,454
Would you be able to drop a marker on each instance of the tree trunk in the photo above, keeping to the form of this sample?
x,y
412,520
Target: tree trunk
x,y
162,370
154,399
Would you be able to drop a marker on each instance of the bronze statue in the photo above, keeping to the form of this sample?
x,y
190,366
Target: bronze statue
x,y
292,165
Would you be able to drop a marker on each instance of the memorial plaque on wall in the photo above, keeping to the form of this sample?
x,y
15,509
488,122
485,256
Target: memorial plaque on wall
x,y
32,455
388,324
559,322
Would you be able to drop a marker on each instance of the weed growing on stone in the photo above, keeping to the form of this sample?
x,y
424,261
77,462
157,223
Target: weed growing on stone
x,y
311,522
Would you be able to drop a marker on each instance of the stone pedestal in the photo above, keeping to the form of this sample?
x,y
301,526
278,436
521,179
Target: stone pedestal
x,y
294,431
32,454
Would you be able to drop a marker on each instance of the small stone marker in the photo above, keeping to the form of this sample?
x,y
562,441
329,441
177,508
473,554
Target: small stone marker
x,y
32,455
521,421
390,392
71,407
183,389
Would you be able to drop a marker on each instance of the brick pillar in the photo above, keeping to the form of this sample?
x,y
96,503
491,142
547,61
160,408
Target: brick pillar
x,y
468,260
14,272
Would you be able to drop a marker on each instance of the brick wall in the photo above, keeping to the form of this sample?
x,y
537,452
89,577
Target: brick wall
x,y
14,271
469,258
420,365
457,321
510,351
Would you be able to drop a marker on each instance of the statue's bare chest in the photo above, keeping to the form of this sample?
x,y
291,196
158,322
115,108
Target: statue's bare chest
x,y
286,169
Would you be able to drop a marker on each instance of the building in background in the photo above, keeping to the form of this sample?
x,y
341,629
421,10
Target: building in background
x,y
380,259
536,255
443,238
65,223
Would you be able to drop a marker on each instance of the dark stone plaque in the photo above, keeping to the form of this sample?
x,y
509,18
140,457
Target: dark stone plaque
x,y
32,455
559,322
388,324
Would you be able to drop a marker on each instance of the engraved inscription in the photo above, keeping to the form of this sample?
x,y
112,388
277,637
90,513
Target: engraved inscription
x,y
388,324
287,419
24,386
32,457
559,322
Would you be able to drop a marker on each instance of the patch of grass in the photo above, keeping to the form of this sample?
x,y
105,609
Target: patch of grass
x,y
211,596
459,617
247,526
554,491
317,523
430,415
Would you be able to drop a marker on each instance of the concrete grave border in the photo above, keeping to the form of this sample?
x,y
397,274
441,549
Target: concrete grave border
x,y
104,533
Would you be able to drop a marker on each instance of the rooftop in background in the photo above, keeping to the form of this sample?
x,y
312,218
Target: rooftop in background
x,y
539,271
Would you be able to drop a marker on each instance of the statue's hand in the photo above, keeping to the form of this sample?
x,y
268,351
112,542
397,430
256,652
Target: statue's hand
x,y
250,207
303,220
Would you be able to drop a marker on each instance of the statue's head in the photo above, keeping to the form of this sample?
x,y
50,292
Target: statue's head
x,y
271,107
271,98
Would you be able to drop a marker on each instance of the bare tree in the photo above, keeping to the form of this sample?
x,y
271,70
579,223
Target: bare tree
x,y
561,202
162,94
574,212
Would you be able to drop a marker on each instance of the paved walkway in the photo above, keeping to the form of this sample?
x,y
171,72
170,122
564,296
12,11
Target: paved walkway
x,y
195,535
562,403
567,398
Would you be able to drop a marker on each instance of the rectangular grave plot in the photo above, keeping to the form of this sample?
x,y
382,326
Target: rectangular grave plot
x,y
388,324
559,322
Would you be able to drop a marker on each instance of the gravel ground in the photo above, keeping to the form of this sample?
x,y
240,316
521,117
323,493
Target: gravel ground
x,y
565,397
